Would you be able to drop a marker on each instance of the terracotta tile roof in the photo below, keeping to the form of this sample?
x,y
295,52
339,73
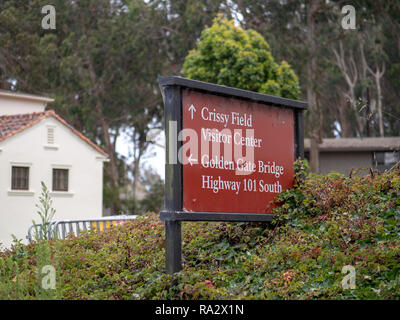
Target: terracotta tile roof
x,y
13,124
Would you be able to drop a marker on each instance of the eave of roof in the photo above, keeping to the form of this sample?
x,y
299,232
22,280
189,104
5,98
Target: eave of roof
x,y
357,144
24,96
51,113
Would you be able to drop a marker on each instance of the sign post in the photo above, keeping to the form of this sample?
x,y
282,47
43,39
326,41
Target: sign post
x,y
229,152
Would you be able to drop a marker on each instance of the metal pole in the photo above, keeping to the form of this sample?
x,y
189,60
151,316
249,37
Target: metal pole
x,y
173,246
173,173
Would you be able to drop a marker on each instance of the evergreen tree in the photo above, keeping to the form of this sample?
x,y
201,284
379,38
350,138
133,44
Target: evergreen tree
x,y
231,56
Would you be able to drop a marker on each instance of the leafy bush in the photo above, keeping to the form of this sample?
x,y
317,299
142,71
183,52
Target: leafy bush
x,y
231,56
321,225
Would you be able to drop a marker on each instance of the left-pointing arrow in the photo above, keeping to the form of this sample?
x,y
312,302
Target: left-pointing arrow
x,y
191,160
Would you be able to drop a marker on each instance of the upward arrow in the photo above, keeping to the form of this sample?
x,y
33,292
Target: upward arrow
x,y
192,109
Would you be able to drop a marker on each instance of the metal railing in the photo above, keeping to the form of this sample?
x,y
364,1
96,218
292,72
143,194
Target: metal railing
x,y
61,229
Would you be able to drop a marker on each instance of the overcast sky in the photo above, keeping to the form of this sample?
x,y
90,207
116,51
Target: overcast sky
x,y
154,158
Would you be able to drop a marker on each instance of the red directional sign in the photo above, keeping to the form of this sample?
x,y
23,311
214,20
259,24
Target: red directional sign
x,y
237,154
229,152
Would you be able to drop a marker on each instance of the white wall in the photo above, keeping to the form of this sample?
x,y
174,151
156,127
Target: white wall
x,y
85,196
10,106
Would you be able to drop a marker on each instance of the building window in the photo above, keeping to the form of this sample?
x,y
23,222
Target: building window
x,y
20,178
60,179
385,160
391,158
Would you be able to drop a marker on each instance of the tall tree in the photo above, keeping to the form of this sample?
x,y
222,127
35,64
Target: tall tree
x,y
312,8
101,64
294,30
185,21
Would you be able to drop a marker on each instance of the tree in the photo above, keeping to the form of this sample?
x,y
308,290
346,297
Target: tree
x,y
186,19
102,61
20,35
349,107
100,64
229,55
154,198
300,32
312,8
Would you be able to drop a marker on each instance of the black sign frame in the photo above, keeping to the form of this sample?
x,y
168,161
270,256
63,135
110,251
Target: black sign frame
x,y
173,214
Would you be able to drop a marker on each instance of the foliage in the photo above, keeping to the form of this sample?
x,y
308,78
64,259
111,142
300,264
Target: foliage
x,y
154,198
100,65
46,213
102,61
321,225
231,56
285,25
22,270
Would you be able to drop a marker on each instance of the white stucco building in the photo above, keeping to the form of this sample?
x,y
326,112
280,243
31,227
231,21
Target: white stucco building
x,y
38,145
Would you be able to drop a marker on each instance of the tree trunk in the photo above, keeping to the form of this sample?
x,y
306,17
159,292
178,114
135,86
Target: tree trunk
x,y
104,126
109,146
347,66
379,101
138,151
344,117
136,175
312,6
377,74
